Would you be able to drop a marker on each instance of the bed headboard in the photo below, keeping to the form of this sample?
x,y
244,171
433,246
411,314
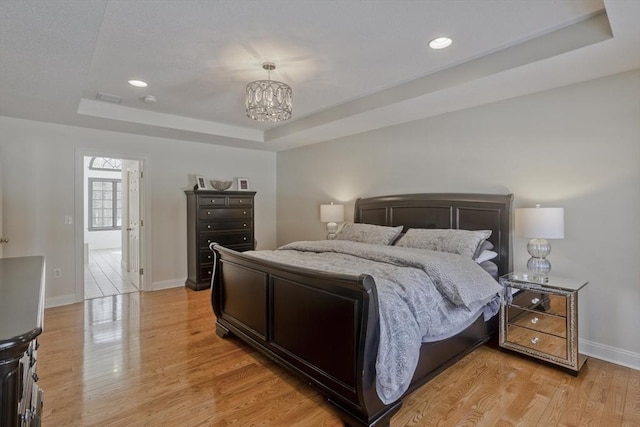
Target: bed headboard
x,y
446,210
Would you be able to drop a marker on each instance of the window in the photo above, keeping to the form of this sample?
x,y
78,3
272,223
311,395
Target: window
x,y
105,164
105,205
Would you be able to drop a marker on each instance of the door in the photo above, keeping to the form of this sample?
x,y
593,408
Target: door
x,y
133,226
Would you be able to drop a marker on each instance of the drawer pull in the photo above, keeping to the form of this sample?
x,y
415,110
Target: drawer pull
x,y
244,212
239,201
535,340
244,238
209,257
213,201
244,225
535,300
208,240
534,320
208,272
208,212
209,227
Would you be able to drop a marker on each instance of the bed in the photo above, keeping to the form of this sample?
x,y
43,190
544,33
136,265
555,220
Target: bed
x,y
325,326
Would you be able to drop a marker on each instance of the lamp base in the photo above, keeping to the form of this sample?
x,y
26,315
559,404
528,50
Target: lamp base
x,y
332,230
538,264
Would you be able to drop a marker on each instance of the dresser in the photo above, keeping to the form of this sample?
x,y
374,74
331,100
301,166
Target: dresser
x,y
224,217
539,318
21,315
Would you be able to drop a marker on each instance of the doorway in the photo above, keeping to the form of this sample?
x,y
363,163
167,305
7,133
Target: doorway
x,y
111,230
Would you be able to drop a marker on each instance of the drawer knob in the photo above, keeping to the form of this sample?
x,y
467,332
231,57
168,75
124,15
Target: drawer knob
x,y
244,212
239,201
535,340
213,201
209,227
208,256
535,300
208,212
244,225
534,320
208,272
244,238
208,240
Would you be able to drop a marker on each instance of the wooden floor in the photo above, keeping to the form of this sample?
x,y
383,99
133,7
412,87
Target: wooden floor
x,y
104,276
153,359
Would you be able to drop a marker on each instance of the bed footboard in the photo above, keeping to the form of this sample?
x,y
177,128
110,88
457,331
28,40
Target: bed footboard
x,y
323,327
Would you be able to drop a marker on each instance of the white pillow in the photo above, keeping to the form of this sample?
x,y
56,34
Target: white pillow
x,y
462,242
486,256
369,233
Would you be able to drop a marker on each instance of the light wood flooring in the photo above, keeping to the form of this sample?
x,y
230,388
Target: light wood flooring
x,y
103,274
153,359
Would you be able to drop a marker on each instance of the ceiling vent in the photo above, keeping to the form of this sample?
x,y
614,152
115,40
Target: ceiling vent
x,y
109,98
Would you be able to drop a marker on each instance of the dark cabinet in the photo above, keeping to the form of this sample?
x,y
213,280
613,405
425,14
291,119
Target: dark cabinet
x,y
224,217
21,313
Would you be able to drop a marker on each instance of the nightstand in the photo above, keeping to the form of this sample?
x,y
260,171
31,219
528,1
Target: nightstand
x,y
539,318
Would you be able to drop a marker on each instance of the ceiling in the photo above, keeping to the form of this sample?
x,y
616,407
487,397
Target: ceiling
x,y
353,65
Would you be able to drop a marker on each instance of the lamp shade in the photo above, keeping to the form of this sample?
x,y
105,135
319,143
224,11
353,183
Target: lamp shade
x,y
331,213
542,223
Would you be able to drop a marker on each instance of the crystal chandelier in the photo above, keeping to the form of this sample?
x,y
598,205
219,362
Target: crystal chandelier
x,y
268,100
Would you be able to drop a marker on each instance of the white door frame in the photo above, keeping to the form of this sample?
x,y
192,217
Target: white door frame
x,y
80,154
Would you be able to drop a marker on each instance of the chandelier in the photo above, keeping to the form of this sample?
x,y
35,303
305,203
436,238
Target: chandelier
x,y
268,100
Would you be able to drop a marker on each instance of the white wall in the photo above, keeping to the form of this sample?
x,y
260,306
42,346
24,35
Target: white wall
x,y
576,147
38,162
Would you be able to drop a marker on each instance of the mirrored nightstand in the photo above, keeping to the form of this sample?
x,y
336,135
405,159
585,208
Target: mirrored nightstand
x,y
539,318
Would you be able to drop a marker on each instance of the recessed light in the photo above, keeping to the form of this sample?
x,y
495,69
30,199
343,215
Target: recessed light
x,y
138,83
440,43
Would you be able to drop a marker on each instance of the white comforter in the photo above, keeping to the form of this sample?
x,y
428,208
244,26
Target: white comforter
x,y
423,296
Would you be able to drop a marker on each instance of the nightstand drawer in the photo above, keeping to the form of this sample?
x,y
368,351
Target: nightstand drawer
x,y
538,321
541,301
538,341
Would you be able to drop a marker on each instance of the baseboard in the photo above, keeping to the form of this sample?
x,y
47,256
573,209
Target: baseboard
x,y
167,284
610,354
58,301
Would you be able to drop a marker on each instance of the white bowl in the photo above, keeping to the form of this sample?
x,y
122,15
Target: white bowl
x,y
221,185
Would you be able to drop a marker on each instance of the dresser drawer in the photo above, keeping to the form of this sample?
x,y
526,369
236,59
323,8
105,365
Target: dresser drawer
x,y
538,321
226,239
212,201
226,226
538,341
206,271
206,257
240,201
229,213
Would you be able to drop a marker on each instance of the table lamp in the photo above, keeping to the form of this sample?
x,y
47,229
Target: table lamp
x,y
539,224
331,214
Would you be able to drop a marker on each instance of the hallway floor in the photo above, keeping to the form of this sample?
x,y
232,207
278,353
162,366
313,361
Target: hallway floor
x,y
103,275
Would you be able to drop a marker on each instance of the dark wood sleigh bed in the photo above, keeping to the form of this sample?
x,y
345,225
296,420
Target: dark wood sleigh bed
x,y
324,327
